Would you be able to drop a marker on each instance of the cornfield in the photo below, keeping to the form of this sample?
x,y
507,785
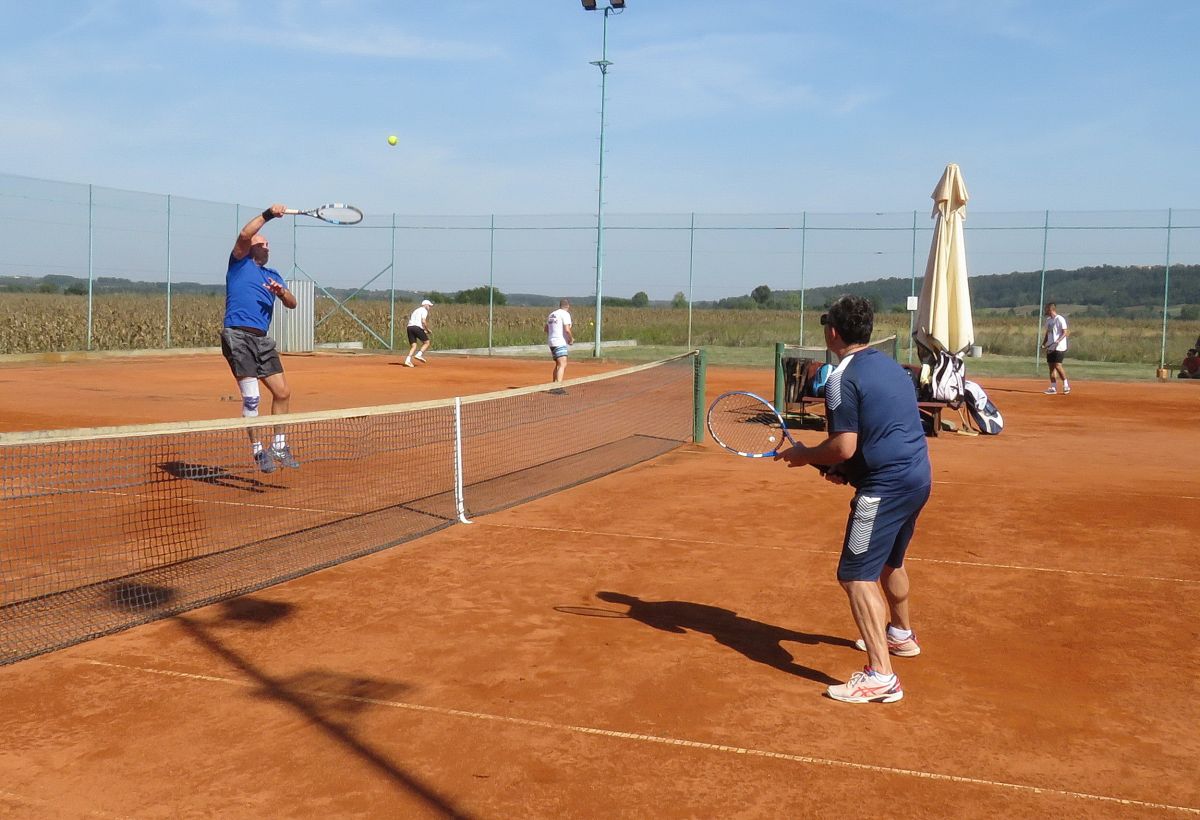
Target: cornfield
x,y
33,323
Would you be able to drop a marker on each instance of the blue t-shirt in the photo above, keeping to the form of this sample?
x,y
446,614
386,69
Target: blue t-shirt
x,y
248,303
873,396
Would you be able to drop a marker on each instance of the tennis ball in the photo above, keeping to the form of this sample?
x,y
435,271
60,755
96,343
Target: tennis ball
x,y
392,140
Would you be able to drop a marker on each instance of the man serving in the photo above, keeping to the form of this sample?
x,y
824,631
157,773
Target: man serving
x,y
250,292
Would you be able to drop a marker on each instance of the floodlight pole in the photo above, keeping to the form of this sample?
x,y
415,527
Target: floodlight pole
x,y
603,64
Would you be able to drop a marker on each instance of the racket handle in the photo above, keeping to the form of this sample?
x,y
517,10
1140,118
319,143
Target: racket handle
x,y
291,211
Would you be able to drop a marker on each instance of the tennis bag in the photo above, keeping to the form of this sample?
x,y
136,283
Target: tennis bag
x,y
983,413
946,379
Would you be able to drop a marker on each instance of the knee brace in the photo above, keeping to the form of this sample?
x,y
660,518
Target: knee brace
x,y
249,388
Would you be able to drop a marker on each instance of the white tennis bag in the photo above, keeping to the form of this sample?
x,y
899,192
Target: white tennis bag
x,y
983,413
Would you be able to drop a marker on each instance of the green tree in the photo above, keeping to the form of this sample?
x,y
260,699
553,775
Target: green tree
x,y
47,287
479,296
640,299
77,289
680,300
761,294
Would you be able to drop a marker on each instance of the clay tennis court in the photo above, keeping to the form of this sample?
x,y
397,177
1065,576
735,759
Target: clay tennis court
x,y
654,643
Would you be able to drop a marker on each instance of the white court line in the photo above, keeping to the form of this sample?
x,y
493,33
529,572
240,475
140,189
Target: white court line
x,y
669,741
1091,490
981,564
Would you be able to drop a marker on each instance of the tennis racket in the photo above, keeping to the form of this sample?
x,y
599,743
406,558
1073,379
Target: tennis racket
x,y
749,425
335,213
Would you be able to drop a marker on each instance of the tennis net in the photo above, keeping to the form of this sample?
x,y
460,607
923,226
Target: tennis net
x,y
105,528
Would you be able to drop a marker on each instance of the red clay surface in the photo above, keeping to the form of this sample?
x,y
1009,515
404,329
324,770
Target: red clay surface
x,y
655,643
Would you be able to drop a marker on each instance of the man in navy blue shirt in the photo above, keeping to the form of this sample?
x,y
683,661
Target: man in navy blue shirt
x,y
250,292
876,441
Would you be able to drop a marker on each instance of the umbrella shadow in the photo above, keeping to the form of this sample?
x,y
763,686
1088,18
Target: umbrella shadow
x,y
328,701
758,641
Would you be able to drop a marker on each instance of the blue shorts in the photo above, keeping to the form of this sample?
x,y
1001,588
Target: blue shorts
x,y
877,533
559,351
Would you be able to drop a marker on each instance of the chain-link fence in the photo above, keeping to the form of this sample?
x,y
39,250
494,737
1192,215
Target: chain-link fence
x,y
87,267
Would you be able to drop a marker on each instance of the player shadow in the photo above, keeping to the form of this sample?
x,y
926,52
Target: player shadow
x,y
758,641
326,700
217,476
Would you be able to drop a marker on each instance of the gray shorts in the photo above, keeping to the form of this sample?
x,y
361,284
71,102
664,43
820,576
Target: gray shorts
x,y
250,356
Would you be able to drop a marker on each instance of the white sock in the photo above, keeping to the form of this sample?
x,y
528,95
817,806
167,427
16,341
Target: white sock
x,y
1066,385
898,634
875,673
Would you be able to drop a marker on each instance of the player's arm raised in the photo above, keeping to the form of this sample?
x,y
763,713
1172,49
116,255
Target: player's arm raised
x,y
241,247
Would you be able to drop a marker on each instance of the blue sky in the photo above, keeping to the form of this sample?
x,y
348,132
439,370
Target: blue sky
x,y
753,106
724,109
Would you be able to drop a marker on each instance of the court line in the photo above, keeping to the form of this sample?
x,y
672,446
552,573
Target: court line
x,y
915,559
670,741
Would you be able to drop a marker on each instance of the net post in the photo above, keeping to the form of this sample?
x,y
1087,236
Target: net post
x,y
779,347
459,501
698,387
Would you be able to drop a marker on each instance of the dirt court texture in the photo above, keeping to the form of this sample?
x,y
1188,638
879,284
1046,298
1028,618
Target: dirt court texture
x,y
656,642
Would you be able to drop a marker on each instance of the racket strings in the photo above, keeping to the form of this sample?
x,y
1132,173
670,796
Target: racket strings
x,y
745,424
340,214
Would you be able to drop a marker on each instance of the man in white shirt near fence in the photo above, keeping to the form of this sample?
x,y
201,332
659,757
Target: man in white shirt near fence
x,y
418,334
1055,344
558,336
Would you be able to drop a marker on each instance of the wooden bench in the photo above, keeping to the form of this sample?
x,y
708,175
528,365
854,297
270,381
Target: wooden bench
x,y
803,411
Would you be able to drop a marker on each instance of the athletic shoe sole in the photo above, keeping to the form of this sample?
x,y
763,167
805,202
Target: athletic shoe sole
x,y
900,649
882,697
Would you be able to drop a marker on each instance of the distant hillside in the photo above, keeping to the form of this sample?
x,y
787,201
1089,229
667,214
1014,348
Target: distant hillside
x,y
1106,288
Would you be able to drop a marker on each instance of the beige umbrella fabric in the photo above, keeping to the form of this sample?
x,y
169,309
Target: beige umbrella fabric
x,y
944,308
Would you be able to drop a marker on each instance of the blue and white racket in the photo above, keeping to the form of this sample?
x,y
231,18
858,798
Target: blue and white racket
x,y
335,213
747,425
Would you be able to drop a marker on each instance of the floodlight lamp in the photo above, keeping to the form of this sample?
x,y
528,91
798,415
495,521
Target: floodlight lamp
x,y
617,4
589,5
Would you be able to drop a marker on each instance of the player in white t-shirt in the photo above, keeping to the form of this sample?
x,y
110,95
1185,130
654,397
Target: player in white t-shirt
x,y
418,334
1054,342
558,336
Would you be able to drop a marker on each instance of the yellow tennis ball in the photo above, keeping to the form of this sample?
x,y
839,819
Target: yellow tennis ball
x,y
392,140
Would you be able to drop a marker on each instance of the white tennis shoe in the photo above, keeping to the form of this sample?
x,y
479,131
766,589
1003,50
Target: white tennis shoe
x,y
867,686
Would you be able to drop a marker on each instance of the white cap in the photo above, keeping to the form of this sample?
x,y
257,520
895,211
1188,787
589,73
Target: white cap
x,y
426,303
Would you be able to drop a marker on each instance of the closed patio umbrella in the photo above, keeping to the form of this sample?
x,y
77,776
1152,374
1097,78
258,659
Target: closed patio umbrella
x,y
944,308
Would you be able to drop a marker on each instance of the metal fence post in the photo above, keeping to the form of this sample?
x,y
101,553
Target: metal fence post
x,y
912,290
392,292
803,248
491,279
1162,356
691,260
1042,295
91,231
168,270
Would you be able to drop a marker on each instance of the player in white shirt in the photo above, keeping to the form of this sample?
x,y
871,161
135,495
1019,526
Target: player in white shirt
x,y
1054,342
418,334
558,336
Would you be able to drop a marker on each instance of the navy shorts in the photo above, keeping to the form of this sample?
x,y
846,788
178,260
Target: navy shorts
x,y
877,533
250,356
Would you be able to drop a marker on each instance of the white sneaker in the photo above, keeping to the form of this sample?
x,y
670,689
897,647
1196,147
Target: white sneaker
x,y
408,363
1066,390
420,359
1050,391
867,687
